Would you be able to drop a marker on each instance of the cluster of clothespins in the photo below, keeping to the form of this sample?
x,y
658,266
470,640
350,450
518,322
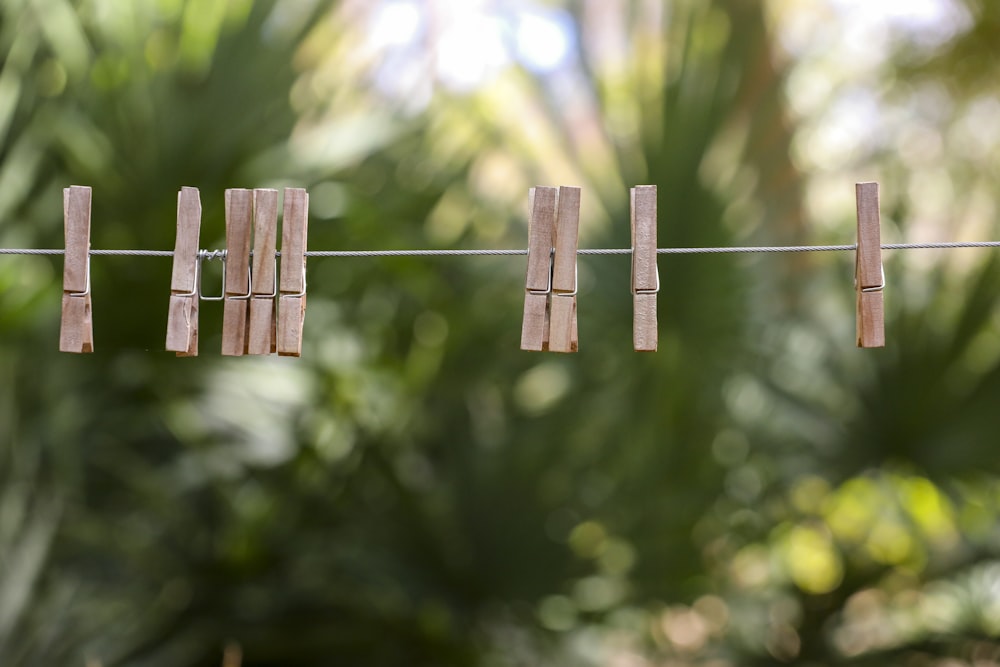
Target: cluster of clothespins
x,y
264,312
550,297
550,320
259,316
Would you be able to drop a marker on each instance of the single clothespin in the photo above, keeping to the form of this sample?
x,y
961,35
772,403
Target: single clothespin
x,y
76,331
292,299
538,283
869,274
645,275
264,286
239,217
182,317
562,308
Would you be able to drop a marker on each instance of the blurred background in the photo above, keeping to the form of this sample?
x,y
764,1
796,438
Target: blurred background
x,y
417,491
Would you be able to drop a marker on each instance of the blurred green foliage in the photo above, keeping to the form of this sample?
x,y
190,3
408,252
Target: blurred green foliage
x,y
415,490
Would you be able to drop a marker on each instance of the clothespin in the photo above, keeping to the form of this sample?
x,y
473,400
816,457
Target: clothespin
x,y
562,309
538,283
76,331
292,299
869,274
645,275
182,317
264,273
239,215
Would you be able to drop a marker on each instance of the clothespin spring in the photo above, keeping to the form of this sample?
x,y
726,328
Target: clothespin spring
x,y
548,288
274,290
576,283
303,292
85,292
210,255
875,288
655,290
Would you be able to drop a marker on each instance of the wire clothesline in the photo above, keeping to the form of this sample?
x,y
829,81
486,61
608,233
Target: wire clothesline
x,y
500,252
265,314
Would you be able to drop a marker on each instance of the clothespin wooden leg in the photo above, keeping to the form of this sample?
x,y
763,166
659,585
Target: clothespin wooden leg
x,y
535,324
869,274
182,318
645,275
76,331
239,215
263,276
562,309
538,283
292,302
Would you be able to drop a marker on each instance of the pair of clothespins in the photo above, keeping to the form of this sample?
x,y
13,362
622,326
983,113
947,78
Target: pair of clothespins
x,y
76,330
252,322
550,318
550,298
869,274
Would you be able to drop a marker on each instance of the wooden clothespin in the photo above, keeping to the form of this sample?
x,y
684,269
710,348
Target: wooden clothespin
x,y
76,331
239,216
869,275
182,317
264,274
645,275
563,335
538,284
292,300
